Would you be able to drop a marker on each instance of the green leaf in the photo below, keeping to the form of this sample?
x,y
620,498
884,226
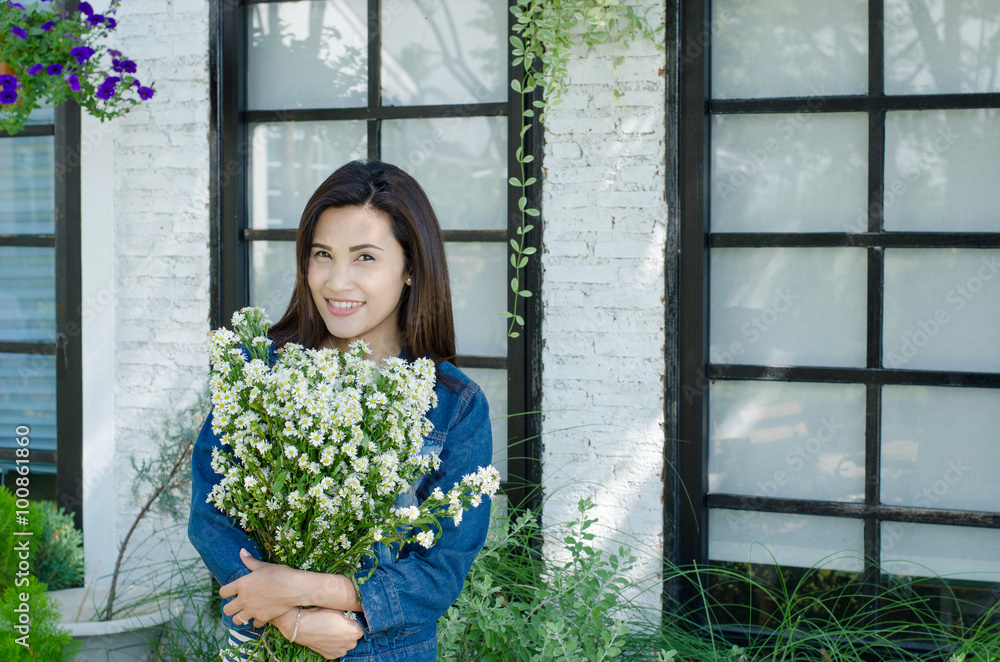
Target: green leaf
x,y
516,42
524,129
532,212
529,113
522,203
523,261
528,159
528,250
515,85
513,334
518,152
515,245
513,260
513,284
527,294
530,181
519,320
506,314
514,181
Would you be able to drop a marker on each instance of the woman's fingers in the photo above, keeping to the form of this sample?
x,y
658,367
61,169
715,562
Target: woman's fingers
x,y
327,631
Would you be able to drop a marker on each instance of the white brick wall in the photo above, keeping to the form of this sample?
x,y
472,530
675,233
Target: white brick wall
x,y
160,186
602,293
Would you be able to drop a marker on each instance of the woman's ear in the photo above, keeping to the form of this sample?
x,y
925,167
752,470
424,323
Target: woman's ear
x,y
409,279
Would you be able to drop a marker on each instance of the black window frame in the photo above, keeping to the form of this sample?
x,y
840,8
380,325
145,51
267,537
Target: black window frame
x,y
67,347
690,102
230,240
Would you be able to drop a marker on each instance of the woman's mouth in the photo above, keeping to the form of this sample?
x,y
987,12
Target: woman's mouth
x,y
343,307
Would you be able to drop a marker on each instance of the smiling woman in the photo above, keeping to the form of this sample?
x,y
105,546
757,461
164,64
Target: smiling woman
x,y
357,276
370,266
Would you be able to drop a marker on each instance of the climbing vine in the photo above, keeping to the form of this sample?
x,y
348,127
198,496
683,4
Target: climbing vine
x,y
544,36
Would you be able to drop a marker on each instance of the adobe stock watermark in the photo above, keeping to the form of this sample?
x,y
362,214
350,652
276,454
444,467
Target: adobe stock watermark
x,y
926,496
795,461
910,344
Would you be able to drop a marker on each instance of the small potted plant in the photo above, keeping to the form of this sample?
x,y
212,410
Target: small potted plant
x,y
49,55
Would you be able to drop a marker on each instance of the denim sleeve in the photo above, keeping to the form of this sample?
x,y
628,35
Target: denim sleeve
x,y
212,533
416,590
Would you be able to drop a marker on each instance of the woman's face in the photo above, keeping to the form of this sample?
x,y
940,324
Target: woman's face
x,y
356,276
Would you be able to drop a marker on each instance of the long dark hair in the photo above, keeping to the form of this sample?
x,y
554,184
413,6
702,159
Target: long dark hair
x,y
426,327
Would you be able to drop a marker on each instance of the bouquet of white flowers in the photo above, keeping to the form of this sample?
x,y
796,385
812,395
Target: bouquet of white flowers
x,y
317,446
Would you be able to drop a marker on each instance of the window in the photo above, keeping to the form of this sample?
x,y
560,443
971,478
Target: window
x,y
308,85
839,366
40,361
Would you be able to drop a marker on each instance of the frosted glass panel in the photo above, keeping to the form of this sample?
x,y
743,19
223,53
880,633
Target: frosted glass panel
x,y
311,54
494,385
461,162
788,306
27,294
478,274
942,46
797,172
930,550
272,276
934,440
28,385
289,160
444,52
787,49
27,185
940,170
942,309
783,439
799,541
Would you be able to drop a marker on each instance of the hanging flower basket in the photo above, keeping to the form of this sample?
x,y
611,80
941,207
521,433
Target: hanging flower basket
x,y
49,55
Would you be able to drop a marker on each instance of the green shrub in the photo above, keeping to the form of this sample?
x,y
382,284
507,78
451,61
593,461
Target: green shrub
x,y
40,638
59,561
517,607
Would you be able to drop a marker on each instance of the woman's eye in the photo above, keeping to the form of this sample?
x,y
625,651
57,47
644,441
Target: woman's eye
x,y
321,254
366,257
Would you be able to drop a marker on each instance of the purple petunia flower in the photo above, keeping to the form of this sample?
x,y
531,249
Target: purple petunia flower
x,y
123,66
48,25
16,5
54,69
35,69
113,53
8,96
8,82
74,82
82,53
19,32
107,88
110,23
86,8
96,19
145,93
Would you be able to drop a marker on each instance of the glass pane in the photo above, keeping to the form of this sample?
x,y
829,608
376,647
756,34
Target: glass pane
x,y
272,276
788,306
942,46
940,170
27,294
800,541
494,385
461,162
790,172
288,160
27,185
918,469
942,310
479,294
28,397
781,439
786,49
444,52
311,54
956,552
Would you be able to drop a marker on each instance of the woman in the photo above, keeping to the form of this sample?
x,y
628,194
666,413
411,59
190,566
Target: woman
x,y
371,265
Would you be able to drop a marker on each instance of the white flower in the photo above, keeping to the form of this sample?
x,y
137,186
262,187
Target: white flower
x,y
426,538
291,452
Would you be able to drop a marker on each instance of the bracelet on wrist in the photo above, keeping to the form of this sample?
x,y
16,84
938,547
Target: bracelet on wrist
x,y
295,633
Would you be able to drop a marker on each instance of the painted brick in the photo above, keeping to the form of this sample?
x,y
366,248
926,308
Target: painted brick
x,y
602,291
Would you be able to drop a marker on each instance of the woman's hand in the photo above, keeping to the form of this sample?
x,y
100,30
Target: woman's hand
x,y
327,631
272,589
267,592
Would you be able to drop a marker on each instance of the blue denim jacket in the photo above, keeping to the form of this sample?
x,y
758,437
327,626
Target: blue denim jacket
x,y
412,586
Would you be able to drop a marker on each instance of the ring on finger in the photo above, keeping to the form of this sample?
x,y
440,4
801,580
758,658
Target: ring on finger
x,y
237,616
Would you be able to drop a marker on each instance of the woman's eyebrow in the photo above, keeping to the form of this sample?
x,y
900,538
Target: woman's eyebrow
x,y
363,246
